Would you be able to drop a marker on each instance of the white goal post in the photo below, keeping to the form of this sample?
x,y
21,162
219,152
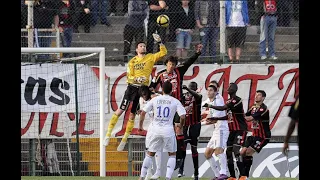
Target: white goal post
x,y
101,52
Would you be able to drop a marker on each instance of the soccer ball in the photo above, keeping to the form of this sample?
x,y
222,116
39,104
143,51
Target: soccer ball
x,y
163,20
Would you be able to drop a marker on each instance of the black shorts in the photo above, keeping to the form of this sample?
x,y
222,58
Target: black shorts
x,y
131,94
256,143
191,134
236,36
237,138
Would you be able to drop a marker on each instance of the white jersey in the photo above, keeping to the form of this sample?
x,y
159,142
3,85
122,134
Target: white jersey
x,y
218,101
164,108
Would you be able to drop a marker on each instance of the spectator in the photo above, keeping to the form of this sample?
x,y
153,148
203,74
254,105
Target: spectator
x,y
268,24
207,15
237,20
284,12
134,28
66,14
157,7
253,16
45,14
113,8
24,23
185,27
99,8
82,15
172,6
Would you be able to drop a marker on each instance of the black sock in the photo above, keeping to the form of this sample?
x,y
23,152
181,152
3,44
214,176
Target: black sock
x,y
181,167
231,167
195,160
241,166
247,164
184,153
230,162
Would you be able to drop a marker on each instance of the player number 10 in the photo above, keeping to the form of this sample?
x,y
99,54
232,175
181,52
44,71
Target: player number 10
x,y
165,112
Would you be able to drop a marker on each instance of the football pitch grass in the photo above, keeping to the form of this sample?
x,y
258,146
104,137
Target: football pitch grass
x,y
121,178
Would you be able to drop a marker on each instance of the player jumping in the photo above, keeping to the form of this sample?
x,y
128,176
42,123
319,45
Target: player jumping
x,y
138,73
174,74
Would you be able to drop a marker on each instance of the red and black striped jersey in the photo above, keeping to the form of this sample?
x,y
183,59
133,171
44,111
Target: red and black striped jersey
x,y
236,114
193,109
176,77
260,124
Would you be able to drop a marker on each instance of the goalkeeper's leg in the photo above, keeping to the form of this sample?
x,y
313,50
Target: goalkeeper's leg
x,y
112,123
114,119
130,123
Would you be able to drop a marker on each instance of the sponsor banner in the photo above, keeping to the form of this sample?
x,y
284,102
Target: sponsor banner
x,y
49,88
269,163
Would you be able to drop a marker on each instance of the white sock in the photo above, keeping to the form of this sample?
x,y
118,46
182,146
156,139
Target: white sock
x,y
149,171
214,166
158,162
223,163
170,166
145,165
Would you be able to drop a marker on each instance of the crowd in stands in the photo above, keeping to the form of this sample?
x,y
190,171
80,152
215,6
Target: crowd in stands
x,y
185,17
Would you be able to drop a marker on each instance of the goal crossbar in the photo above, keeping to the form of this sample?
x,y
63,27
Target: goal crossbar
x,y
101,51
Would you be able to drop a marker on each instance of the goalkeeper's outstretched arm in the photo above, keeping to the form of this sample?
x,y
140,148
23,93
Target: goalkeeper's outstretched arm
x,y
163,50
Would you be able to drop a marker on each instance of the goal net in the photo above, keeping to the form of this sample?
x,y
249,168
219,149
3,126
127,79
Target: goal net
x,y
64,102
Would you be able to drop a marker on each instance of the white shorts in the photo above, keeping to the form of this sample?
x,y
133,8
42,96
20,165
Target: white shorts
x,y
219,139
148,139
156,143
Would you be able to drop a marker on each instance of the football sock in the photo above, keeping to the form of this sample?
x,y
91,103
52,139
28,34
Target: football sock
x,y
112,123
146,165
170,166
130,125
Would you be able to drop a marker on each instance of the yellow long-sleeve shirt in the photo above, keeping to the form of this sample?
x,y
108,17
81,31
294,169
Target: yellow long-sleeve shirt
x,y
138,67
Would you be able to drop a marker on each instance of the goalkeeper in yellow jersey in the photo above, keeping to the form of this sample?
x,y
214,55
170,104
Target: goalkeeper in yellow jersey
x,y
138,73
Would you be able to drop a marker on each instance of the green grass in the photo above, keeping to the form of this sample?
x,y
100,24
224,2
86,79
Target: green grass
x,y
119,178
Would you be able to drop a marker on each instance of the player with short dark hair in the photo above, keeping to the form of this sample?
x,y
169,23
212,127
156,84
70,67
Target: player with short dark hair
x,y
258,114
218,142
191,130
174,74
138,73
162,137
237,127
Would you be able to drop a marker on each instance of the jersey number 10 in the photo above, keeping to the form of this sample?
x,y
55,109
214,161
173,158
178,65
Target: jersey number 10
x,y
165,112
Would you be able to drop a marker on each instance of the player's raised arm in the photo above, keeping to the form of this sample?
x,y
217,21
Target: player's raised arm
x,y
163,50
196,95
185,65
